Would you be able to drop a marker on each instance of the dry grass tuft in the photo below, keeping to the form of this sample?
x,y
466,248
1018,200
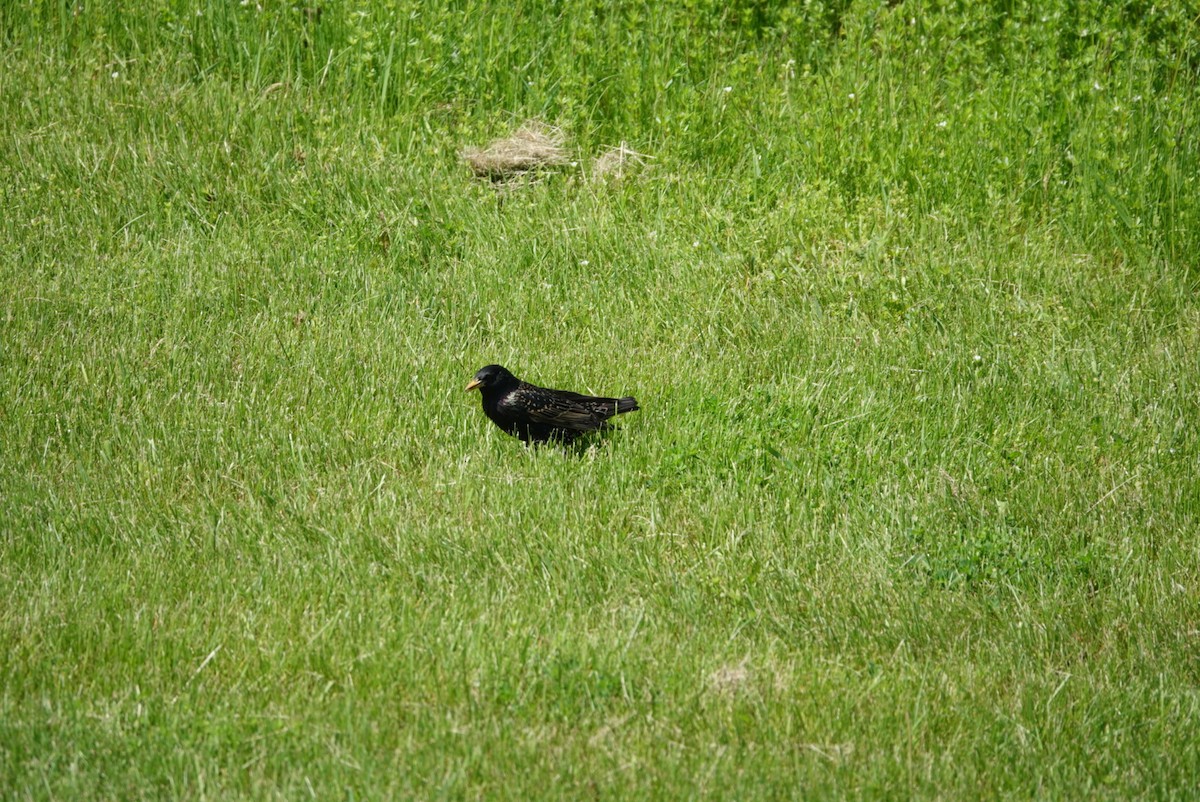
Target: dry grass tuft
x,y
729,679
533,146
616,162
837,753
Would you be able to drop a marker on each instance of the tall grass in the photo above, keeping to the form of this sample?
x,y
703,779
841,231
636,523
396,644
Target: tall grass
x,y
908,297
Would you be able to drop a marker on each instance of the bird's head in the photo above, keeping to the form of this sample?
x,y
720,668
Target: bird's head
x,y
489,378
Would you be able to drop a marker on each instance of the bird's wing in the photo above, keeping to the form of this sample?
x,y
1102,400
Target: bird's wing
x,y
596,401
553,408
605,407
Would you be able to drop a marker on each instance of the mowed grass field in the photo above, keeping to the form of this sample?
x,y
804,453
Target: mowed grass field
x,y
907,293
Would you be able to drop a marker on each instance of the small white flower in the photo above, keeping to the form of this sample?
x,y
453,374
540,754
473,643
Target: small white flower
x,y
942,124
1096,86
583,263
1137,98
977,358
727,89
852,96
696,244
116,74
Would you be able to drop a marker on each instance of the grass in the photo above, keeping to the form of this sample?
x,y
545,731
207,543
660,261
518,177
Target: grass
x,y
907,295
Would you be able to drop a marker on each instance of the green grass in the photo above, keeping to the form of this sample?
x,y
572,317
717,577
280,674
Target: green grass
x,y
910,508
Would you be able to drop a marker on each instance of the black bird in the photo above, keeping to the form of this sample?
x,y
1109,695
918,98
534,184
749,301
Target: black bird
x,y
536,414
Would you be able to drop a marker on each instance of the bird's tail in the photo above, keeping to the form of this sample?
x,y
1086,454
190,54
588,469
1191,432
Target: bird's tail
x,y
626,404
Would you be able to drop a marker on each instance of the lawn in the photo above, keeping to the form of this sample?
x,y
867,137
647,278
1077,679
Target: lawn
x,y
909,296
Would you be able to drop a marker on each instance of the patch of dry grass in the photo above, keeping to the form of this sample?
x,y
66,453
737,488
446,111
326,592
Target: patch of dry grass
x,y
531,147
618,162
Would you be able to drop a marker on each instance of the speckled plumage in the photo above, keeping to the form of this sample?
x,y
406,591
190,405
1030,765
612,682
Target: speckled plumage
x,y
537,414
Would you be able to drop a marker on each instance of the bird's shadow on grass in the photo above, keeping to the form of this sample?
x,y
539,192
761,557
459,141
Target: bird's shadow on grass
x,y
592,442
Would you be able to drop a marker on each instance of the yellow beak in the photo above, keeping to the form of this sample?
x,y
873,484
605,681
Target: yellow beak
x,y
472,384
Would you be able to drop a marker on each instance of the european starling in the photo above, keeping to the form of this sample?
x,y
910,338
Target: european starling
x,y
536,414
